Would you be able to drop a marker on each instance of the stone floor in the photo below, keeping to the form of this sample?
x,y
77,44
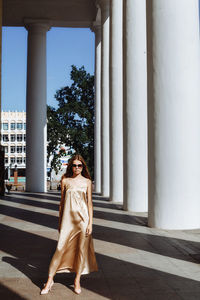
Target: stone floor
x,y
135,262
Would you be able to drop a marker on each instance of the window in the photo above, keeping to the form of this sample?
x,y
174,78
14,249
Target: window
x,y
24,160
5,138
24,138
12,160
12,137
24,126
19,137
24,149
12,126
5,126
6,149
20,126
6,160
12,149
19,160
19,149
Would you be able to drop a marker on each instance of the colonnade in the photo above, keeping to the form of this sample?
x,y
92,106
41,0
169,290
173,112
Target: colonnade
x,y
147,105
147,130
1,11
36,136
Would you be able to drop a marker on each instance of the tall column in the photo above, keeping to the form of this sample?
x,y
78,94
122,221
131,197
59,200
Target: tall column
x,y
135,106
2,167
116,105
1,11
97,139
173,114
105,138
36,137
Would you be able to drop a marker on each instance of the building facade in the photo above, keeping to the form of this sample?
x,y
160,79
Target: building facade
x,y
13,138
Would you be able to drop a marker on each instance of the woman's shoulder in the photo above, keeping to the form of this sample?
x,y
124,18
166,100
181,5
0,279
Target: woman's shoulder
x,y
88,181
64,180
85,181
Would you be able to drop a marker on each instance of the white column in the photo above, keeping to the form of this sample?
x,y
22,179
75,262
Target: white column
x,y
135,106
173,114
1,13
97,139
2,167
105,137
36,137
116,105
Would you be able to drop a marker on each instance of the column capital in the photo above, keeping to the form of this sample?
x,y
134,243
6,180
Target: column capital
x,y
37,25
104,4
96,27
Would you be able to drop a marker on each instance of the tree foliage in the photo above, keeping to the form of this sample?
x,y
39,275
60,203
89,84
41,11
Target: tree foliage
x,y
72,123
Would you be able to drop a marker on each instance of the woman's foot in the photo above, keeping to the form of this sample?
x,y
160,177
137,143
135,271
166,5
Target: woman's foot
x,y
77,287
47,288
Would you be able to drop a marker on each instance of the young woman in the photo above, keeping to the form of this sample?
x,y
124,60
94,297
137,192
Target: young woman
x,y
75,251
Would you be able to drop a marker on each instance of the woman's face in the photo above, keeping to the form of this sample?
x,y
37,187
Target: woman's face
x,y
77,167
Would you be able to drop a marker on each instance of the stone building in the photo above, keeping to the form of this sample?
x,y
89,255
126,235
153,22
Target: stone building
x,y
147,145
13,138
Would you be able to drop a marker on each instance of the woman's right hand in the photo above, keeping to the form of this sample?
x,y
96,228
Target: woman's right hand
x,y
89,229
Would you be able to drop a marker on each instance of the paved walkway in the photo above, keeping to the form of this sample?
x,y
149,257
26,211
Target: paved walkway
x,y
135,262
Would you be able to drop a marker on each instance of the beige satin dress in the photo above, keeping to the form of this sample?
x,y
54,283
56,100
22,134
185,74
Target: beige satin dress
x,y
75,250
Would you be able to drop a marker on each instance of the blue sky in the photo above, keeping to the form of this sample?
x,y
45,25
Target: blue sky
x,y
65,46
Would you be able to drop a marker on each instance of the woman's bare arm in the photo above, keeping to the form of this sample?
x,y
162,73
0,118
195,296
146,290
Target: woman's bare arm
x,y
90,208
61,202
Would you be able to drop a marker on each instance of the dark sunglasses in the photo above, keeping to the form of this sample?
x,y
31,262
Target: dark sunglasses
x,y
79,166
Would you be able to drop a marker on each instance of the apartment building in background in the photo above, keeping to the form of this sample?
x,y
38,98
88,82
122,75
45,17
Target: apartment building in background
x,y
13,138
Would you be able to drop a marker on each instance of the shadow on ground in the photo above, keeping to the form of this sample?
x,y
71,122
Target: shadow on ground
x,y
117,279
6,294
166,246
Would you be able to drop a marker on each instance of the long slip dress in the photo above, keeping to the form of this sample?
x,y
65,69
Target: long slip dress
x,y
75,250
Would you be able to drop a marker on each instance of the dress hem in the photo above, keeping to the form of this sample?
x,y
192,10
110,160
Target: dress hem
x,y
69,270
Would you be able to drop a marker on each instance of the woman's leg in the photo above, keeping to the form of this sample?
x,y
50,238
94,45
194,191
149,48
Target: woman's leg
x,y
77,285
48,285
49,281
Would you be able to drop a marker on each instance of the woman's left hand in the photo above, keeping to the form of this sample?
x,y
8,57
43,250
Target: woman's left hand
x,y
89,229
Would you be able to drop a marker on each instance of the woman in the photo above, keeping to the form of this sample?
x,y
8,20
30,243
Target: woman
x,y
75,251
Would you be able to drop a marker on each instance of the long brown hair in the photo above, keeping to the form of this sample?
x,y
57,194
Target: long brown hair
x,y
69,172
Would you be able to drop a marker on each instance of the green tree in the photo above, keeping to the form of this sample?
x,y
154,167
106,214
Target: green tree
x,y
72,123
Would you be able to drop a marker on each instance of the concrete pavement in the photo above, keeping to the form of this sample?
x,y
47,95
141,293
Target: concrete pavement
x,y
135,262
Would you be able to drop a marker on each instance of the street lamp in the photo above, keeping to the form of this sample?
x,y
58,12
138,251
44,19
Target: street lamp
x,y
50,179
8,184
9,169
15,175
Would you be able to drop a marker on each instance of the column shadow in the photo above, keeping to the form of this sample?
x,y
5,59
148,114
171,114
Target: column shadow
x,y
95,197
6,294
108,205
171,247
40,196
34,203
117,279
124,218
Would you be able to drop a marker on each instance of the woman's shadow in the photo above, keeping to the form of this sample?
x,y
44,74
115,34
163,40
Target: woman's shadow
x,y
30,254
36,274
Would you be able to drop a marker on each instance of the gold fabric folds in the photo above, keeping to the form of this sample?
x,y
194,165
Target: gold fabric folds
x,y
75,250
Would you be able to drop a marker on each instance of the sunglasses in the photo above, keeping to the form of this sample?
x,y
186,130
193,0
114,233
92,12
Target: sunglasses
x,y
79,166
